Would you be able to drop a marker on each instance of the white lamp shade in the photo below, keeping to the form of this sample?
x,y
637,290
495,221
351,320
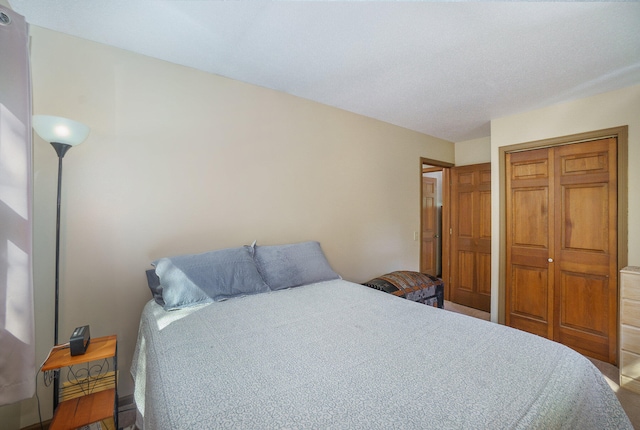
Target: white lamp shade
x,y
60,130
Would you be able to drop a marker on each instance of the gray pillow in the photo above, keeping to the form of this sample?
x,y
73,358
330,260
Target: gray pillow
x,y
285,266
188,280
154,285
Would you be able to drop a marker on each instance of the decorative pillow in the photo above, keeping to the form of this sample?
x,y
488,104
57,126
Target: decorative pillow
x,y
154,285
188,280
285,266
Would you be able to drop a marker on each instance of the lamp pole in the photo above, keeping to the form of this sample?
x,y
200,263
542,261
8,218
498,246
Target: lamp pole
x,y
61,149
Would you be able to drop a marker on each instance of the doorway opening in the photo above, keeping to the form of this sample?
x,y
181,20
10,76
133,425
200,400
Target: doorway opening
x,y
434,219
431,220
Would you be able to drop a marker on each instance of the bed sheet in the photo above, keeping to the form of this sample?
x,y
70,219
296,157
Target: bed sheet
x,y
344,356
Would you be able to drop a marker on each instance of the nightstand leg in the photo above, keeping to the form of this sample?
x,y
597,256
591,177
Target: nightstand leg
x,y
56,388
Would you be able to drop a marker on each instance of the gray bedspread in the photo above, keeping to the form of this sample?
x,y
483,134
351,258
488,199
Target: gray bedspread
x,y
338,355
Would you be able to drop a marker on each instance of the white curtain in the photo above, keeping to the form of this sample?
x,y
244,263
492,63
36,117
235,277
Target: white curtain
x,y
17,339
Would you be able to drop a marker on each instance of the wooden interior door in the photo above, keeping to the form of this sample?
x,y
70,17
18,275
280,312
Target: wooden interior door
x,y
562,272
470,245
429,227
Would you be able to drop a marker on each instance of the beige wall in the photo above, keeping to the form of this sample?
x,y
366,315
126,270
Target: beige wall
x,y
181,161
613,109
473,151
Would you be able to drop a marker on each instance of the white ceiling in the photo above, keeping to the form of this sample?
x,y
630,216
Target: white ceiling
x,y
441,68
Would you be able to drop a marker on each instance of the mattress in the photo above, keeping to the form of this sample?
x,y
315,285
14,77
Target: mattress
x,y
338,355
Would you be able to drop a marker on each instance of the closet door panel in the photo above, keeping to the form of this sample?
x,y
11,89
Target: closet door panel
x,y
529,293
585,209
529,300
583,302
586,248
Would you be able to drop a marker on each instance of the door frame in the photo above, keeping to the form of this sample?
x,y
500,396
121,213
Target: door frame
x,y
444,167
621,133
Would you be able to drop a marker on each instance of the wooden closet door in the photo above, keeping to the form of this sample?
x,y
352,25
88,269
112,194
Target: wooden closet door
x,y
562,245
530,233
470,265
585,257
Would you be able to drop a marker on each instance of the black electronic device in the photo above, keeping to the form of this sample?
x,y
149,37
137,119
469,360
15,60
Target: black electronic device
x,y
79,340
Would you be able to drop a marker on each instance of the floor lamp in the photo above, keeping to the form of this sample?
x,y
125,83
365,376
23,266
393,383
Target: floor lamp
x,y
62,133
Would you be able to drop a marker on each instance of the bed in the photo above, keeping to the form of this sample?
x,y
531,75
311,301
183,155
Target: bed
x,y
332,354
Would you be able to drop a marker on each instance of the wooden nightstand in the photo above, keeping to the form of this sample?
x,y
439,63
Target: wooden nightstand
x,y
90,393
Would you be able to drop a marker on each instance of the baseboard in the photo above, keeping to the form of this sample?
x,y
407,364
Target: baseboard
x,y
125,402
37,426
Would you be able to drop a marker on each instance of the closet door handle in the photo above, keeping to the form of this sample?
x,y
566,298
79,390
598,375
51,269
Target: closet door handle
x,y
550,260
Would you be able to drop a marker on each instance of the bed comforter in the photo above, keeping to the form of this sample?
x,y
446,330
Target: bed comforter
x,y
338,355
